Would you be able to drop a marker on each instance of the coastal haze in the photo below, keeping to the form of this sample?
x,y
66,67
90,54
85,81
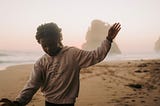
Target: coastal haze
x,y
139,19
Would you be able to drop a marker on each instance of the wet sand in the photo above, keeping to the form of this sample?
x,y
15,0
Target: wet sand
x,y
116,83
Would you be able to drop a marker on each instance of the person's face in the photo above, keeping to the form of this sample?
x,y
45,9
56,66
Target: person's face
x,y
50,45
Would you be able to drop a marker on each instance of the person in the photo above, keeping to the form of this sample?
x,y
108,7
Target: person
x,y
57,71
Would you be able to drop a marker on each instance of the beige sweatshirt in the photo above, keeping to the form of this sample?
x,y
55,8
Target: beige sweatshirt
x,y
58,76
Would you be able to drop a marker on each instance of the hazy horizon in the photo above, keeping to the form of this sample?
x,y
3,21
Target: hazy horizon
x,y
139,19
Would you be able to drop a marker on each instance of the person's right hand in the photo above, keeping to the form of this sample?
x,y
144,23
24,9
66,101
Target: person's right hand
x,y
7,102
113,31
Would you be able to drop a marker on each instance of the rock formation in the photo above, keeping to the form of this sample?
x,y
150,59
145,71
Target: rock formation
x,y
157,45
96,34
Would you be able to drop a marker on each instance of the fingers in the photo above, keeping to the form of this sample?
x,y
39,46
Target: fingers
x,y
113,31
6,102
3,104
117,26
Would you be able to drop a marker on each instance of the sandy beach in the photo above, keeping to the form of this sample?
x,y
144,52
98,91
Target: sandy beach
x,y
112,83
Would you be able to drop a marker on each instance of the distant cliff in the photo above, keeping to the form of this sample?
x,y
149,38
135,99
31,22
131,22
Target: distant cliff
x,y
157,45
96,34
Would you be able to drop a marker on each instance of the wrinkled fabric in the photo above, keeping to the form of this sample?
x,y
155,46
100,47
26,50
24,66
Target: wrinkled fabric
x,y
58,76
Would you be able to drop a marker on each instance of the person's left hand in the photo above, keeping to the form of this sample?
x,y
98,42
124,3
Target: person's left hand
x,y
113,31
7,102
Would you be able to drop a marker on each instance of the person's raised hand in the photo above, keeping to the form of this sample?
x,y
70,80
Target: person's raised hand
x,y
113,31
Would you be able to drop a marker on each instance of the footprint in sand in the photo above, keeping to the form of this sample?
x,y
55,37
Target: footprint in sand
x,y
141,97
155,100
133,100
103,78
143,101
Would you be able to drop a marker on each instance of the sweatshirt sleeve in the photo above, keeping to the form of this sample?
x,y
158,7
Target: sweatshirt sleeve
x,y
31,87
88,58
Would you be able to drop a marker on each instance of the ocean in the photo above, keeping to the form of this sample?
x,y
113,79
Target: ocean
x,y
134,56
9,58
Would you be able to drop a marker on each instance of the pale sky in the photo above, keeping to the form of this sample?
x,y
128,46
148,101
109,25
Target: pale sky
x,y
20,18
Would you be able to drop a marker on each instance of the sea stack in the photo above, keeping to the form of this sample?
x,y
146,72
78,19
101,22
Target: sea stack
x,y
96,33
157,45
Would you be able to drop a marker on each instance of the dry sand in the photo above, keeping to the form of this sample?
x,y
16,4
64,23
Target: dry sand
x,y
120,83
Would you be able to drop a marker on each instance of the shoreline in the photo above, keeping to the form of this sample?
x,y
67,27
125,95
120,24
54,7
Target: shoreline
x,y
109,57
5,67
111,83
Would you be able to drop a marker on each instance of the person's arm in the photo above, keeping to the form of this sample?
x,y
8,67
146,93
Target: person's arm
x,y
33,84
88,58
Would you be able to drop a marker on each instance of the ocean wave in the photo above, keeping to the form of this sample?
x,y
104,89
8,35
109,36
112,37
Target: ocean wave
x,y
4,54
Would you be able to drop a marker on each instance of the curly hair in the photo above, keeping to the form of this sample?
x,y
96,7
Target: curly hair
x,y
48,30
